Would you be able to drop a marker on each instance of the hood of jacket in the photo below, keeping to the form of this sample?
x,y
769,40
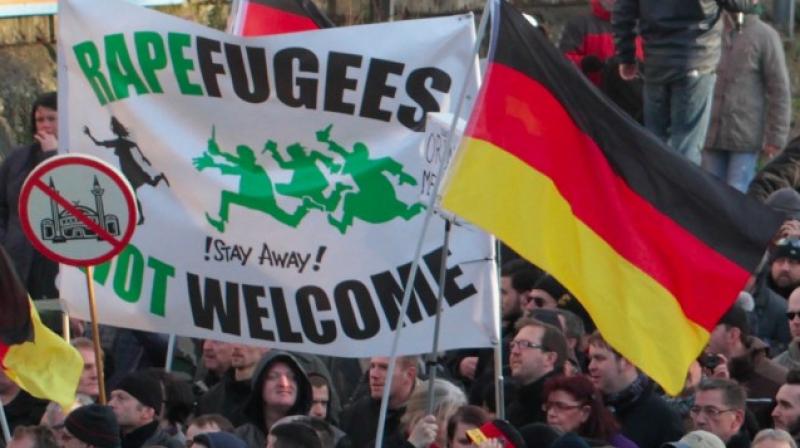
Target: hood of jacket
x,y
254,408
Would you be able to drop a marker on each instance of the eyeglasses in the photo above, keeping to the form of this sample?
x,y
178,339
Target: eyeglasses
x,y
790,315
709,411
559,406
522,343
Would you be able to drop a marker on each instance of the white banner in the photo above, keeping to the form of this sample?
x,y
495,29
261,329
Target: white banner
x,y
278,179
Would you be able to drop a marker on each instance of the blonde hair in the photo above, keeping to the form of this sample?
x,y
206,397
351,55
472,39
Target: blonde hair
x,y
777,435
447,398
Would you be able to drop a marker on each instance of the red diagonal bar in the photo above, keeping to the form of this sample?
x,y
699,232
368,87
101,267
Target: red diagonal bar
x,y
74,211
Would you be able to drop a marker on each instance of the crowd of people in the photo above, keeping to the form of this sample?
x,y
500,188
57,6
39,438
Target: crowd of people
x,y
706,76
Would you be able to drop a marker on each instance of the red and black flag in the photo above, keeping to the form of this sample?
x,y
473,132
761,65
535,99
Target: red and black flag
x,y
265,17
653,247
31,355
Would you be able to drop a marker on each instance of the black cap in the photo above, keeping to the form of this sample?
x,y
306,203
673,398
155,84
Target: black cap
x,y
95,425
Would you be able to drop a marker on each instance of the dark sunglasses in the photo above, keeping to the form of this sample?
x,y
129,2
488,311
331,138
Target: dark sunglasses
x,y
790,315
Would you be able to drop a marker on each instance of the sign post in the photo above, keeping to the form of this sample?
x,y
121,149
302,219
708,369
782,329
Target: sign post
x,y
80,211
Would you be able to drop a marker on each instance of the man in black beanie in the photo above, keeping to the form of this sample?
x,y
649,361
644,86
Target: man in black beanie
x,y
137,402
91,426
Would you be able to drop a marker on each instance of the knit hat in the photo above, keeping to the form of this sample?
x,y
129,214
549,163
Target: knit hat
x,y
787,248
736,317
786,200
697,439
95,425
143,387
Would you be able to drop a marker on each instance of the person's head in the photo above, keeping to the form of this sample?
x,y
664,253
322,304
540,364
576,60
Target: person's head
x,y
325,431
293,435
572,404
786,414
218,440
697,439
44,114
91,425
730,335
405,376
773,438
785,265
545,293
205,424
465,418
280,388
574,329
793,313
321,396
516,277
32,437
54,415
244,359
217,356
719,406
89,383
447,398
136,400
609,371
118,128
536,350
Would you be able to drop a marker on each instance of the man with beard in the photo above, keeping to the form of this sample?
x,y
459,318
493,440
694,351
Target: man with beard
x,y
229,395
784,275
786,415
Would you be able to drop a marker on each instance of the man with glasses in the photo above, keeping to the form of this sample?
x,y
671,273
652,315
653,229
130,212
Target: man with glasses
x,y
719,407
786,414
791,357
644,416
536,353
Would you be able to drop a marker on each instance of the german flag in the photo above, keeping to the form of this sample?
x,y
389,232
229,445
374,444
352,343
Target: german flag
x,y
654,248
38,360
265,17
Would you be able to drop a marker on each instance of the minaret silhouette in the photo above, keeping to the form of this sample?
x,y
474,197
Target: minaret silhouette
x,y
98,191
59,236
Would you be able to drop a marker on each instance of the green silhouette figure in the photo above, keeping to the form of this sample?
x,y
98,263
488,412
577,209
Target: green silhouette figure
x,y
255,187
307,180
375,200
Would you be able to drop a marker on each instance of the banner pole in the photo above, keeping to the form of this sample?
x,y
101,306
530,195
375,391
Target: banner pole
x,y
432,364
65,330
418,252
170,353
4,425
101,381
499,392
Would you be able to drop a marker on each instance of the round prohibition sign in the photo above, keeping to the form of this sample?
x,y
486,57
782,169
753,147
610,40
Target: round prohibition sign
x,y
77,210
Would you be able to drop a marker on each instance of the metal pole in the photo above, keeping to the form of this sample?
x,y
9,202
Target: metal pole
x,y
4,424
170,353
499,392
101,381
437,326
418,252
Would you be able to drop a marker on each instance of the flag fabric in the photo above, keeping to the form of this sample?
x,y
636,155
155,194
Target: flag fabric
x,y
655,249
265,17
31,355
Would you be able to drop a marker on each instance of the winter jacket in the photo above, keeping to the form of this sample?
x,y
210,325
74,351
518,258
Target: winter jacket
x,y
646,419
525,406
752,100
149,435
680,36
30,264
790,358
770,324
360,422
253,432
227,398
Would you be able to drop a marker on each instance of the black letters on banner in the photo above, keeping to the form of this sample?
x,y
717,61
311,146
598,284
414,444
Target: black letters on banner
x,y
356,305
